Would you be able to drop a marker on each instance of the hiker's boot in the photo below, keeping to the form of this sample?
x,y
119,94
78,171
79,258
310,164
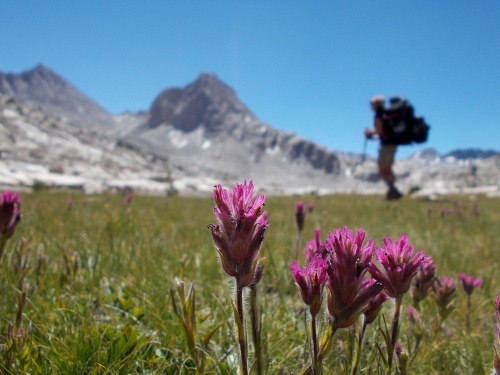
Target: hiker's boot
x,y
393,194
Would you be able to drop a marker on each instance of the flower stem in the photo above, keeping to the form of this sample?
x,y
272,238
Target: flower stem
x,y
3,241
468,312
327,341
394,333
415,349
297,245
240,326
315,363
358,350
256,330
324,347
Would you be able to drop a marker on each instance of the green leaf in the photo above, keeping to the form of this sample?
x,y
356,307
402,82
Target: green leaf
x,y
208,336
191,302
174,304
138,312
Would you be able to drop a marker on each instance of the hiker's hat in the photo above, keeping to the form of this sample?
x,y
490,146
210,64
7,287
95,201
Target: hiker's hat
x,y
377,99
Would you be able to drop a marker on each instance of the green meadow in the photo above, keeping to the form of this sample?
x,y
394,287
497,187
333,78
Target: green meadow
x,y
99,276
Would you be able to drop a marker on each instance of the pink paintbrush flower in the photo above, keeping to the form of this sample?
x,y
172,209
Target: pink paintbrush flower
x,y
496,358
349,290
423,281
374,307
128,199
10,213
315,246
311,282
445,293
413,315
70,204
397,265
469,283
238,235
498,308
300,215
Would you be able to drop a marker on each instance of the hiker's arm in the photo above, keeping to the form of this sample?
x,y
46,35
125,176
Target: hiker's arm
x,y
379,126
377,130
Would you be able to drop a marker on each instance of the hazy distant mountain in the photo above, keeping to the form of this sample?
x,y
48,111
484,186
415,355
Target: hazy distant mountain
x,y
204,129
35,146
472,153
43,88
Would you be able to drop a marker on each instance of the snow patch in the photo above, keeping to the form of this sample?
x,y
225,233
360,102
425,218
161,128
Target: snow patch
x,y
206,144
273,150
9,113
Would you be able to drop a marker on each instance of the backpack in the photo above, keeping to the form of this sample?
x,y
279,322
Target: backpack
x,y
400,124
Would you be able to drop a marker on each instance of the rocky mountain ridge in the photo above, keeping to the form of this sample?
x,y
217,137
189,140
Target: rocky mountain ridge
x,y
37,148
43,88
204,129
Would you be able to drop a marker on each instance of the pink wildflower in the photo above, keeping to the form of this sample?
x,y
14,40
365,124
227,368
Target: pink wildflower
x,y
238,235
403,358
469,283
128,199
496,358
444,291
422,282
10,215
349,290
258,275
399,349
413,315
498,308
300,215
311,281
315,246
374,307
398,265
310,207
416,322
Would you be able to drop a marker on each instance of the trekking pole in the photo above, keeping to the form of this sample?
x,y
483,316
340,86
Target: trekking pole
x,y
363,157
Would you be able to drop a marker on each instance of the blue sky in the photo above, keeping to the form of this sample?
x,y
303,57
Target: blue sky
x,y
309,67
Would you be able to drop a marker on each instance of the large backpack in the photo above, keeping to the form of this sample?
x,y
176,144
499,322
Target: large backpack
x,y
400,124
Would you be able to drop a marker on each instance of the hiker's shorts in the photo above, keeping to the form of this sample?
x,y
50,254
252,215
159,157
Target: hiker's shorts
x,y
386,155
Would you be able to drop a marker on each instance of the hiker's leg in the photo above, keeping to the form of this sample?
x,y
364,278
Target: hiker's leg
x,y
387,175
385,161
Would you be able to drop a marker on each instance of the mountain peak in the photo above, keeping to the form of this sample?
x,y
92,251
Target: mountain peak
x,y
40,68
211,85
42,75
208,79
41,87
206,102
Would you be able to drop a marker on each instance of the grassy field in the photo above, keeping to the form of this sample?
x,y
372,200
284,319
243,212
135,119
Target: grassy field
x,y
98,278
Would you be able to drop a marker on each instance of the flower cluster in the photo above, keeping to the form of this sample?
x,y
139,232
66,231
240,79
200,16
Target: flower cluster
x,y
355,285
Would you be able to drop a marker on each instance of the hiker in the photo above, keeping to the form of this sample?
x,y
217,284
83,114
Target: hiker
x,y
387,147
